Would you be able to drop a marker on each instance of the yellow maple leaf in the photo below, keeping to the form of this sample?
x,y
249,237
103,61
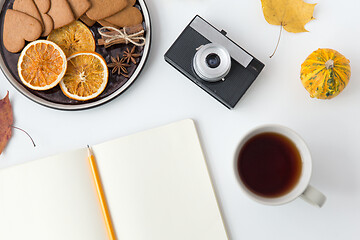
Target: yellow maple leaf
x,y
290,14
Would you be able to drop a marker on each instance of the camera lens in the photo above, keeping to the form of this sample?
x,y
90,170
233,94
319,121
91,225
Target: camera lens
x,y
213,60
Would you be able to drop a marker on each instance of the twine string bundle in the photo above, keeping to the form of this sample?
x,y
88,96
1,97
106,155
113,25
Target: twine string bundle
x,y
120,34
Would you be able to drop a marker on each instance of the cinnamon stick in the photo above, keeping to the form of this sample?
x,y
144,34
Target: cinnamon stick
x,y
117,41
128,30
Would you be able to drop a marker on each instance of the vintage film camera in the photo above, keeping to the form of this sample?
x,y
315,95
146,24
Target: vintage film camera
x,y
214,62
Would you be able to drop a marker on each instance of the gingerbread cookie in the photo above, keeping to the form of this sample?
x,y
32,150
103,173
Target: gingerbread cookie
x,y
61,13
87,20
28,7
43,5
18,27
128,17
79,7
48,24
131,3
101,9
106,24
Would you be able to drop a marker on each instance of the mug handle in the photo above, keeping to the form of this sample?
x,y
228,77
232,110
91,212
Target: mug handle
x,y
313,196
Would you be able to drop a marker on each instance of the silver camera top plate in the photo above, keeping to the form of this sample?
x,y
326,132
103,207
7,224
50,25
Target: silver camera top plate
x,y
214,36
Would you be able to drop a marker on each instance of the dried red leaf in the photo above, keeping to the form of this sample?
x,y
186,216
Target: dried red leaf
x,y
6,121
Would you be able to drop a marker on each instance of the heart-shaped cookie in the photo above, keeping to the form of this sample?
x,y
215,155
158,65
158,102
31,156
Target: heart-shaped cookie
x,y
28,7
101,9
19,27
43,5
87,20
107,24
130,16
79,7
48,24
61,13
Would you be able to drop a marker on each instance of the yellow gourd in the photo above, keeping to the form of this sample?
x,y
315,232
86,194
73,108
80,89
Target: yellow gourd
x,y
325,73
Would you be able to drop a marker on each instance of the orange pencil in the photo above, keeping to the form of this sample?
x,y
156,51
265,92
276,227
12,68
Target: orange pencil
x,y
101,195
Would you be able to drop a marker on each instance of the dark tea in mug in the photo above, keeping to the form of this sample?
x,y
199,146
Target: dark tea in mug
x,y
269,164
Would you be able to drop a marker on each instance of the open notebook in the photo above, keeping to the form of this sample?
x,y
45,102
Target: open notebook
x,y
156,184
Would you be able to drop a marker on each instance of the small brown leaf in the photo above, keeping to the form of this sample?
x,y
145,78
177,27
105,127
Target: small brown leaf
x,y
6,121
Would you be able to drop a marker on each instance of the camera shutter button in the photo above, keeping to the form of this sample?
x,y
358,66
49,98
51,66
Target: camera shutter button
x,y
223,32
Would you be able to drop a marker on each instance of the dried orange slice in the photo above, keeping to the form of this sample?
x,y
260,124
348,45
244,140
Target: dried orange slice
x,y
86,76
72,38
41,65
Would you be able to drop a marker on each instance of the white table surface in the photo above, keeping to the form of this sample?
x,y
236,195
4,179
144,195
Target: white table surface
x,y
162,95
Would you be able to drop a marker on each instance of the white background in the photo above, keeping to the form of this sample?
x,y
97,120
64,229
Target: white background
x,y
162,95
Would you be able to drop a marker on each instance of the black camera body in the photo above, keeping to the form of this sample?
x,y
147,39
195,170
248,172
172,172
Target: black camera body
x,y
214,62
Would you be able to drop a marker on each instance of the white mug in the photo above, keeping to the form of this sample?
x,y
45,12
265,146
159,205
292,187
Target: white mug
x,y
302,189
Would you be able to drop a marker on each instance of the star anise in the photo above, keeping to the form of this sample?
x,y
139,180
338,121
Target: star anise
x,y
119,66
131,55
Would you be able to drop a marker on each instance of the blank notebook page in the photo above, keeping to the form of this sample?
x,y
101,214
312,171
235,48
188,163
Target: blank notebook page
x,y
158,187
50,199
